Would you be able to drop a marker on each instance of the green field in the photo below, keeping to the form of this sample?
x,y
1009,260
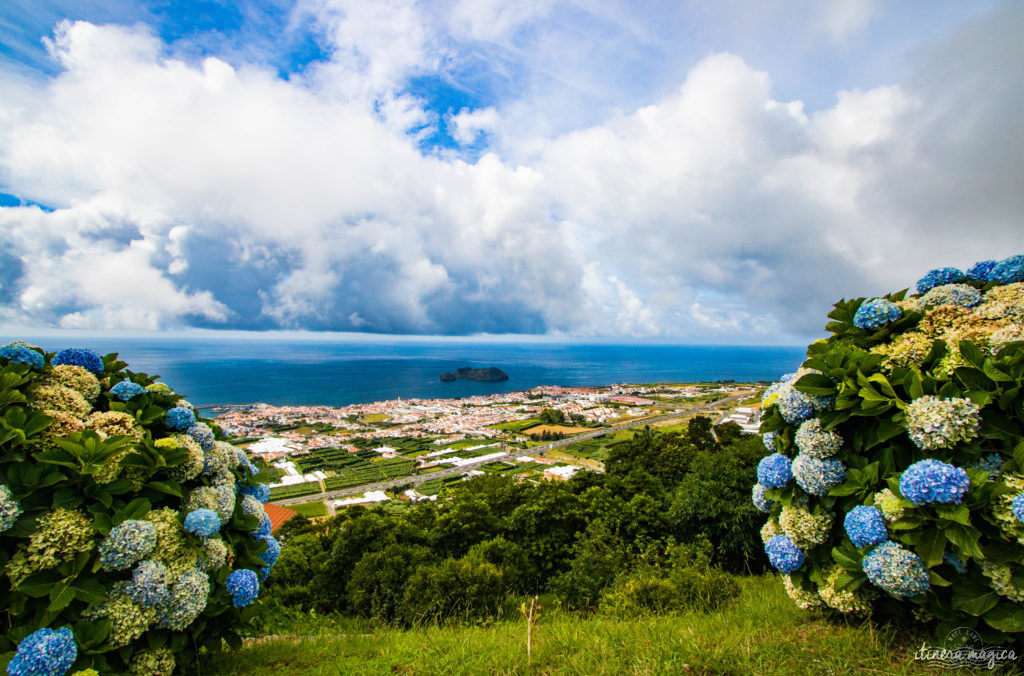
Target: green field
x,y
310,510
762,632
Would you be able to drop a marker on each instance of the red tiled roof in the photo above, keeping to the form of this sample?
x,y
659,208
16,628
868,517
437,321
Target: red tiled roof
x,y
278,515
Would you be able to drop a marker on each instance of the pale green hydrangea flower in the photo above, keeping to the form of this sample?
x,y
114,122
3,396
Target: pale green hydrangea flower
x,y
805,600
934,423
848,602
805,529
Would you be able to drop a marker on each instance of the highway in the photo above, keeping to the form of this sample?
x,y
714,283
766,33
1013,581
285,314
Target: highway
x,y
519,452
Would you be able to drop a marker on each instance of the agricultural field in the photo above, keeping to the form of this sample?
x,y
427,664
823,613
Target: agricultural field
x,y
295,491
557,429
516,425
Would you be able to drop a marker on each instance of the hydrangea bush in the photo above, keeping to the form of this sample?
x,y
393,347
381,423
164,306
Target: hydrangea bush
x,y
894,475
129,535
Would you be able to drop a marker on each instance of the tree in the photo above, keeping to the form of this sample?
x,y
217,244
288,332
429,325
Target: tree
x,y
376,586
552,416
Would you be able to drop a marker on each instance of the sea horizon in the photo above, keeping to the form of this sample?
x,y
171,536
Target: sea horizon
x,y
212,371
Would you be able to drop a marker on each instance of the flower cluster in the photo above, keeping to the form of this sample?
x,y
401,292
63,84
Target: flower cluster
x,y
991,463
59,398
805,600
875,313
220,499
202,434
760,501
981,271
193,463
896,570
187,598
44,652
865,526
76,378
114,423
215,554
955,561
770,529
845,601
76,356
816,442
794,406
148,586
10,509
768,438
21,353
180,418
202,522
1002,583
804,528
889,504
154,662
784,556
127,390
939,277
818,476
774,471
59,536
933,481
1008,271
172,549
1002,508
261,492
941,423
244,587
952,294
270,554
1017,507
128,620
127,544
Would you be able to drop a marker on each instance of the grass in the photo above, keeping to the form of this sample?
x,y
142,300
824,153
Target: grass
x,y
374,418
310,510
762,632
557,429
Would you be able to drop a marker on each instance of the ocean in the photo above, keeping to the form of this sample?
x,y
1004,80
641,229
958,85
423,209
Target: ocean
x,y
216,370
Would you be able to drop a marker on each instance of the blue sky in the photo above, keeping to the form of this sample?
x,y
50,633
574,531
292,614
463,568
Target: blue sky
x,y
687,171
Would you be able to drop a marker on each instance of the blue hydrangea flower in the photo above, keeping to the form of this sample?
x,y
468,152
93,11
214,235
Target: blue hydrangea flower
x,y
784,556
148,587
1018,507
865,526
787,377
896,570
22,354
794,406
180,418
818,476
769,440
243,586
10,509
760,501
812,440
127,543
126,390
991,463
77,356
44,653
260,491
933,481
875,313
981,271
264,528
938,277
774,471
202,434
1009,270
202,522
954,560
273,550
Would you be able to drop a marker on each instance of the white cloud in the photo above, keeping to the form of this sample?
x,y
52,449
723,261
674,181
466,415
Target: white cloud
x,y
208,194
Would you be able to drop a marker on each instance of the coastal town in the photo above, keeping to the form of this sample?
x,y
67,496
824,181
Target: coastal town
x,y
326,458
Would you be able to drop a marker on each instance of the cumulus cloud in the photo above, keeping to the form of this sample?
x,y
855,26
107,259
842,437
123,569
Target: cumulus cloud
x,y
198,193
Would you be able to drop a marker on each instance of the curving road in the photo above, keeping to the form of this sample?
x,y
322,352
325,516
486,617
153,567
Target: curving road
x,y
533,450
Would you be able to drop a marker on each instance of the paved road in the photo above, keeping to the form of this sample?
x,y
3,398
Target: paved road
x,y
533,450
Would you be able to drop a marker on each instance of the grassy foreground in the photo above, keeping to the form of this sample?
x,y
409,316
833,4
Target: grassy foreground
x,y
762,632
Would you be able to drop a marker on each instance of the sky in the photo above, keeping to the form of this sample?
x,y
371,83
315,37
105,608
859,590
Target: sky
x,y
674,170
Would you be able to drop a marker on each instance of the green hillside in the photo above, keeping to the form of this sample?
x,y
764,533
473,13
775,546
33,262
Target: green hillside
x,y
761,632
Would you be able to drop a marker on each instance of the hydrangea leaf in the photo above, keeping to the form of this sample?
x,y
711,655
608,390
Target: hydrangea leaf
x,y
931,547
966,538
957,513
974,599
1006,616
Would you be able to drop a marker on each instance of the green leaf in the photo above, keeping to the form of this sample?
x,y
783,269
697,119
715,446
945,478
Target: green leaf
x,y
90,634
937,580
974,599
60,596
971,353
931,547
816,385
1006,616
966,538
847,556
167,487
957,513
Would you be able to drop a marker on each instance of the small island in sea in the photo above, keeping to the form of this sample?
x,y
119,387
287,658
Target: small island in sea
x,y
488,375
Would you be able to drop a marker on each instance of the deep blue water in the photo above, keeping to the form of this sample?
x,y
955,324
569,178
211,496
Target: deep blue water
x,y
230,370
